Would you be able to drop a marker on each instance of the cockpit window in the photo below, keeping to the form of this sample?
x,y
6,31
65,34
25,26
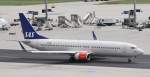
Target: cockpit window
x,y
133,47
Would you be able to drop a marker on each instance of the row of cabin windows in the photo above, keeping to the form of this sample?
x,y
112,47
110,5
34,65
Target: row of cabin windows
x,y
70,46
107,47
117,48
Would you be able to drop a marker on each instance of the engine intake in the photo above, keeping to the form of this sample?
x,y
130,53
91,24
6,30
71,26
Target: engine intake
x,y
82,56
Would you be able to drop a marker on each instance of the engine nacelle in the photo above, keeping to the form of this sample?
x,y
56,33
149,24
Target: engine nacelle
x,y
82,56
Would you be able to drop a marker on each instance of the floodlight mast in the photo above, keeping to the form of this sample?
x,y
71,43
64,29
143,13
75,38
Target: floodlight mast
x,y
47,24
46,10
135,13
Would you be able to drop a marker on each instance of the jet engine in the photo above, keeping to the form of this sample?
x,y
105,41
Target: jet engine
x,y
82,56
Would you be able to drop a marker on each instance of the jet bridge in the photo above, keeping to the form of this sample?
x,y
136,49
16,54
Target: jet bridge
x,y
63,22
89,18
75,21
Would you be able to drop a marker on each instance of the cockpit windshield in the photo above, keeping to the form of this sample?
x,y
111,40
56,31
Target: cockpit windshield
x,y
133,47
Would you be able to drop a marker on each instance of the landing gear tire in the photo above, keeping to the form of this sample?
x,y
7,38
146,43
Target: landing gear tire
x,y
89,58
72,59
129,60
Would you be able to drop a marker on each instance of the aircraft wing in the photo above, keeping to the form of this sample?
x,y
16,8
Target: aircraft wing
x,y
56,52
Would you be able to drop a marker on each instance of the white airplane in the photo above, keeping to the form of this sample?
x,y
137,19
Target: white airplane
x,y
79,50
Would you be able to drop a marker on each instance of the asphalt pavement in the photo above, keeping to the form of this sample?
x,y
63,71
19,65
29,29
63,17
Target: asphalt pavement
x,y
19,56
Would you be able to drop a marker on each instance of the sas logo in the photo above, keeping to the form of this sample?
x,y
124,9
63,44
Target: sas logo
x,y
29,34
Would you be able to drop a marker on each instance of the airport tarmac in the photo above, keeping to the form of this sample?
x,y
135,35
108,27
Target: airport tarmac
x,y
15,63
19,56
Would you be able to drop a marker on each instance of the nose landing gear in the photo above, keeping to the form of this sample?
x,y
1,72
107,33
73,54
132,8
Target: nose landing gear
x,y
130,60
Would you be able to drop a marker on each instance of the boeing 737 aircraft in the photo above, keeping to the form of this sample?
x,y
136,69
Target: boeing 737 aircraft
x,y
79,50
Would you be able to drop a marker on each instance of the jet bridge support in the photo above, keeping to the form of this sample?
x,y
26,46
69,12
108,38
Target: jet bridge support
x,y
76,21
62,22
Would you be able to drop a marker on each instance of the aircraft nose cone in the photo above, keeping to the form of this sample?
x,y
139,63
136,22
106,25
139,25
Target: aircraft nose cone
x,y
140,51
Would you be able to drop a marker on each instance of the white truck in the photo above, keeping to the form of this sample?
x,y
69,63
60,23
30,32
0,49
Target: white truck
x,y
4,25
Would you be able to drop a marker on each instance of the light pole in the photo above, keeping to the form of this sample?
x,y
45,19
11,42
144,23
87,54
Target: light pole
x,y
46,10
47,24
135,13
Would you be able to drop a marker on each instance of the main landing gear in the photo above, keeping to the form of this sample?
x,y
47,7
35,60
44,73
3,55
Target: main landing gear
x,y
129,60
